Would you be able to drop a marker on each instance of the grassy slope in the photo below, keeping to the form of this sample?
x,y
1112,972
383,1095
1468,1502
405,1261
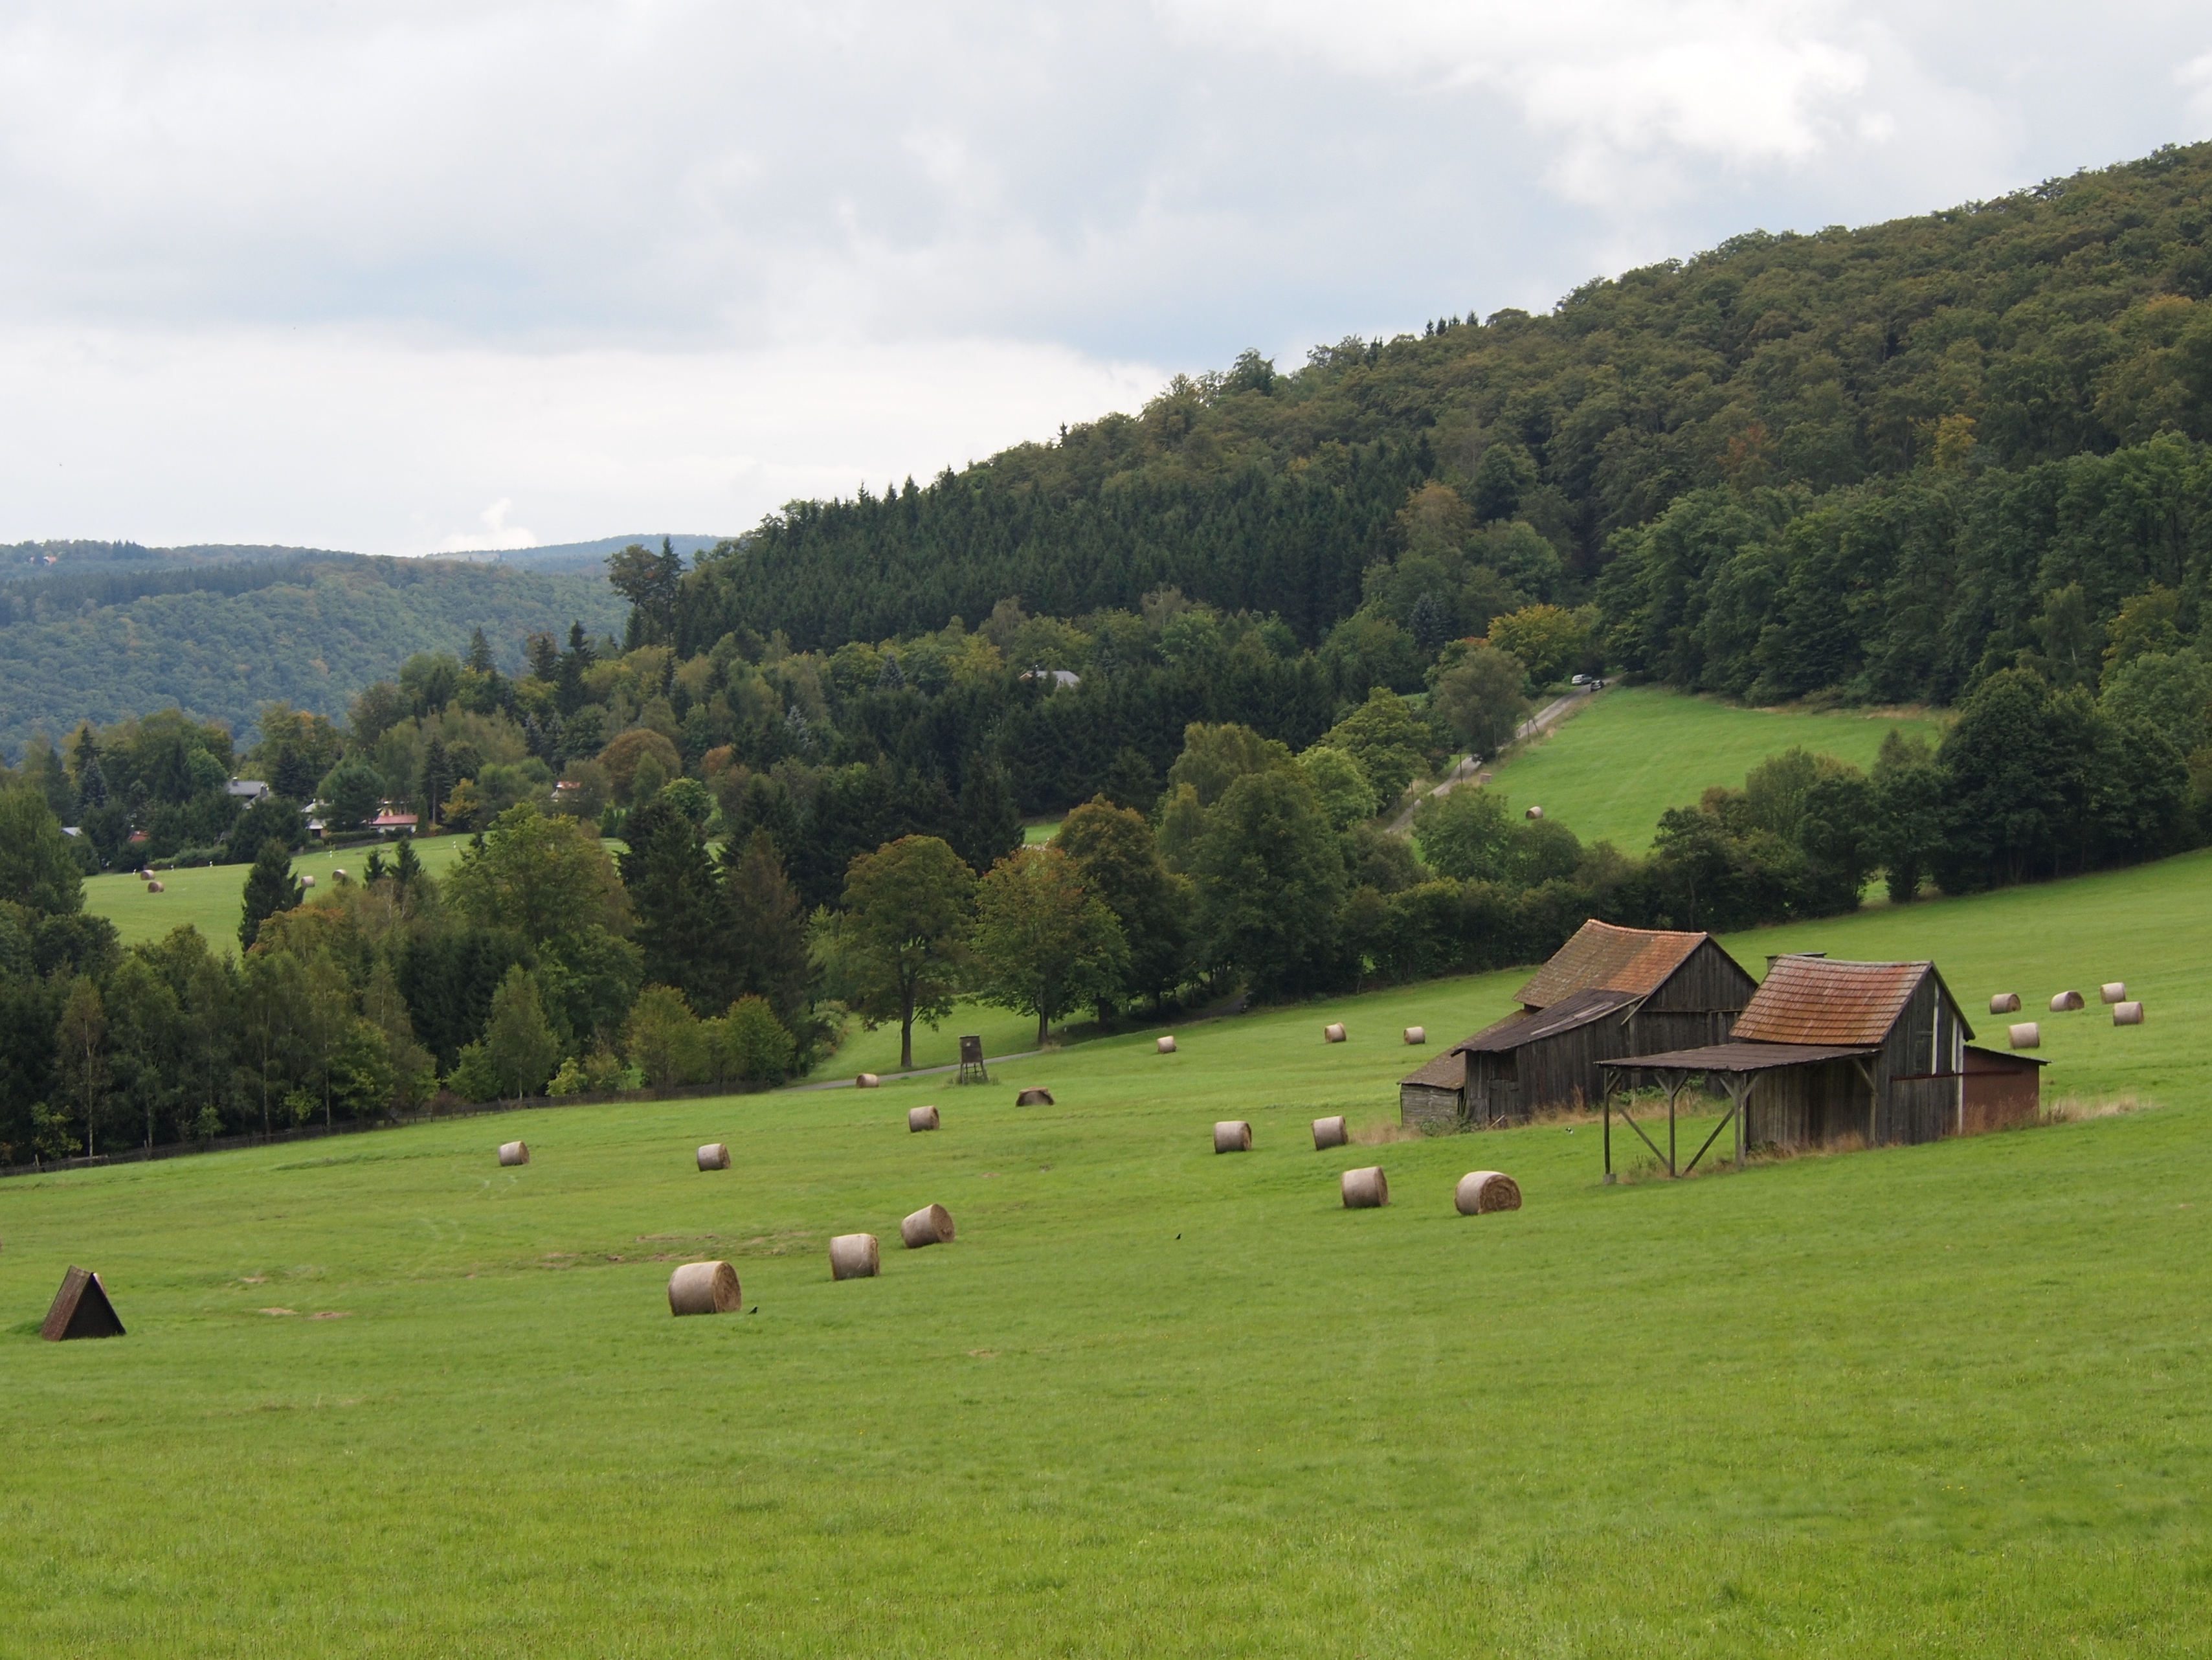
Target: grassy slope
x,y
1944,1399
1610,770
211,898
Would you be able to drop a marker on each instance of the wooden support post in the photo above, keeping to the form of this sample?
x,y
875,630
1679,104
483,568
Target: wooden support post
x,y
1673,1088
1606,1106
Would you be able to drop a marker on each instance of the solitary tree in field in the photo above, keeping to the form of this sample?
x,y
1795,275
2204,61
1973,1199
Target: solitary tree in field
x,y
907,907
81,1054
1043,945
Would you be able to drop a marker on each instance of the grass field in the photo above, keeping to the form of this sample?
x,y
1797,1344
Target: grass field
x,y
1951,1399
212,896
1608,771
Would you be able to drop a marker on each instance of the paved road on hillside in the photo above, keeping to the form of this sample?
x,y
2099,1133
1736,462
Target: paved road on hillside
x,y
1542,720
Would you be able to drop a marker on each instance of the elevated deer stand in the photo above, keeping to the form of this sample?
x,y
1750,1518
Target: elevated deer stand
x,y
972,1070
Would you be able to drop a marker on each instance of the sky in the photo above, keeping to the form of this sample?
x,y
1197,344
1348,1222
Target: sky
x,y
427,275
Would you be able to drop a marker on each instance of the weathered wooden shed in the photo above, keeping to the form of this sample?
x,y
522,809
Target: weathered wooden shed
x,y
1607,992
1827,1052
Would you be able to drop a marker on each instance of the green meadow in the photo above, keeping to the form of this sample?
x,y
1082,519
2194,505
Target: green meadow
x,y
1609,770
381,1397
212,896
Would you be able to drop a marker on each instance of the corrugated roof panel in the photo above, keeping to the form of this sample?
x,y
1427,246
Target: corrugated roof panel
x,y
1565,1015
1812,999
1602,957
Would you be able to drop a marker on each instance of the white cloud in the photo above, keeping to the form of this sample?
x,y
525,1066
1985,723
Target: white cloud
x,y
496,532
372,265
378,441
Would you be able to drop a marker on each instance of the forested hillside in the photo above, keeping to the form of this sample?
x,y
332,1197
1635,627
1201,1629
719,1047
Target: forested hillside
x,y
124,637
1862,459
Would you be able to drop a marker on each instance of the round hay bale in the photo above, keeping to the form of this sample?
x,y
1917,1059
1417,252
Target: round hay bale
x,y
1232,1135
1417,1034
339,876
1166,1046
2005,1002
1366,1188
2113,991
2066,1002
514,1152
155,887
1482,1191
1330,1133
1533,812
1035,1098
2127,1014
2025,1035
715,1155
1332,1033
854,1256
930,1226
919,1119
867,1080
705,1288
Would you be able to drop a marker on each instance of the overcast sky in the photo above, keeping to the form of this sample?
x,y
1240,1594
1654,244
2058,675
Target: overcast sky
x,y
428,274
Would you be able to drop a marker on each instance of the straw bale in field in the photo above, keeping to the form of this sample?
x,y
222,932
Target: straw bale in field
x,y
1482,1191
1417,1034
2127,1014
1365,1189
921,1118
2067,1001
1534,813
1330,1133
930,1226
1035,1098
514,1152
2113,991
1232,1135
2025,1035
2005,1002
155,887
715,1155
1166,1046
867,1080
704,1288
1332,1033
853,1256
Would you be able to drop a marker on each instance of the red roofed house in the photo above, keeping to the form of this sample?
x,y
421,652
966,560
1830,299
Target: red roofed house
x,y
1607,992
1828,1051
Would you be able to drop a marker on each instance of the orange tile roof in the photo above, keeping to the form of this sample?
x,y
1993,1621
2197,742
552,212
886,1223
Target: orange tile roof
x,y
1812,1000
1603,957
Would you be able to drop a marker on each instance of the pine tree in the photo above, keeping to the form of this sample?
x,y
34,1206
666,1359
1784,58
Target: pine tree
x,y
269,887
989,826
763,914
437,780
671,879
479,657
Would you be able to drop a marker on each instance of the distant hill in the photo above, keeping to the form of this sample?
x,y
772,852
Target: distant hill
x,y
115,629
1860,460
591,556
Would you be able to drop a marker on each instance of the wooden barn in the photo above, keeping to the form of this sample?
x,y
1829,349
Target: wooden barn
x,y
1828,1052
1607,992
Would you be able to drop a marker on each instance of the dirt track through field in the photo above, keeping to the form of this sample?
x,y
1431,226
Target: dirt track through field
x,y
1470,766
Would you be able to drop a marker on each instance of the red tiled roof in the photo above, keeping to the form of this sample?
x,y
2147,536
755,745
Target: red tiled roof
x,y
1603,957
1812,999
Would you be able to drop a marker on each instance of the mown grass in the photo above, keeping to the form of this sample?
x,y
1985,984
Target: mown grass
x,y
211,898
1950,1399
1609,770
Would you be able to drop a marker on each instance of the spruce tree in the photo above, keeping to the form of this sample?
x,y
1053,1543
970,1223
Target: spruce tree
x,y
479,657
269,887
437,780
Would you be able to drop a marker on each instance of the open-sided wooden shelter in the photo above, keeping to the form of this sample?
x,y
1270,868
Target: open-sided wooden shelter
x,y
1827,1052
1607,992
